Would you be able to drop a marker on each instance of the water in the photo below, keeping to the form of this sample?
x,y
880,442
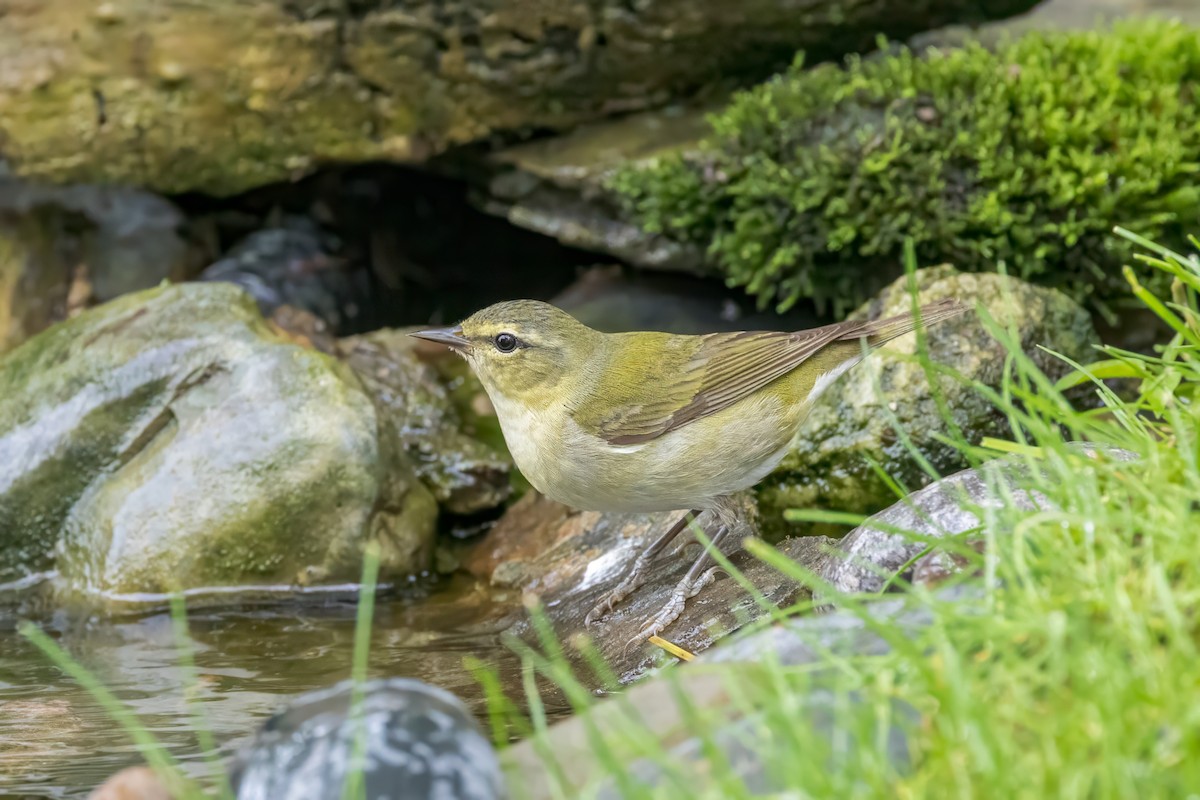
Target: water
x,y
56,742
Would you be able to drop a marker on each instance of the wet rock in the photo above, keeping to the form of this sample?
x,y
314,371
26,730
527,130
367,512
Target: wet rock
x,y
886,545
170,440
569,560
657,706
119,98
413,401
852,424
64,248
294,264
420,742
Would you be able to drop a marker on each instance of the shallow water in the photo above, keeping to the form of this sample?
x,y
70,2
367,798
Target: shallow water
x,y
56,742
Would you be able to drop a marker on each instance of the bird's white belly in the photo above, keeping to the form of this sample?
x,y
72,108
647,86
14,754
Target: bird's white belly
x,y
678,470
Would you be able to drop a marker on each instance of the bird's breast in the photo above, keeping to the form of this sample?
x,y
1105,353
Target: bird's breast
x,y
689,467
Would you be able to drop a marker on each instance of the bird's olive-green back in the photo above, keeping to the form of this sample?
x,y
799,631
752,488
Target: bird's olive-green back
x,y
654,383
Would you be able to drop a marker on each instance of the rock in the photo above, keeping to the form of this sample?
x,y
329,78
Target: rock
x,y
657,707
294,265
570,560
1063,15
612,299
169,440
886,544
420,742
221,97
63,248
465,475
829,467
304,328
132,783
557,187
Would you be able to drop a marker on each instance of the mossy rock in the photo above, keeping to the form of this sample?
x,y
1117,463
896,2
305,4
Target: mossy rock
x,y
169,440
1024,155
863,420
225,95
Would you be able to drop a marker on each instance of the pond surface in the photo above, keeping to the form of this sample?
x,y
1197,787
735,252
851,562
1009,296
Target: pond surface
x,y
56,742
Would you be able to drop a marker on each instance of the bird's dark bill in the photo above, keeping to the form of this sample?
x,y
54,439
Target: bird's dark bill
x,y
451,337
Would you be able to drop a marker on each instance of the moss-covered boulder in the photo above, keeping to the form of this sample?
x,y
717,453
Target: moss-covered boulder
x,y
861,422
224,95
1026,154
170,440
415,404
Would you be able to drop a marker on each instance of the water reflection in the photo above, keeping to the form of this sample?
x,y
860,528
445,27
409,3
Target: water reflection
x,y
55,741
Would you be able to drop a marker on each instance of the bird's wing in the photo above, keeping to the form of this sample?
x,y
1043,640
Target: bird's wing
x,y
701,375
722,369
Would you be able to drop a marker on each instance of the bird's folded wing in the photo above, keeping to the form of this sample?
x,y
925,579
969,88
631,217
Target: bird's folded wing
x,y
723,369
696,376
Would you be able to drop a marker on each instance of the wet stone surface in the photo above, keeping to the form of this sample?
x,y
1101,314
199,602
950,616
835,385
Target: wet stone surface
x,y
418,742
569,561
169,440
884,546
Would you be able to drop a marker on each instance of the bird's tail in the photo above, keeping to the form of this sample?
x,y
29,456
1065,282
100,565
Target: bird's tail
x,y
879,331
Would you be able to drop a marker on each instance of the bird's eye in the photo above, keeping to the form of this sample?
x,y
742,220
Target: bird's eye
x,y
506,342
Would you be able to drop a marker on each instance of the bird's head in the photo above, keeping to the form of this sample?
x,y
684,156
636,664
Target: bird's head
x,y
524,351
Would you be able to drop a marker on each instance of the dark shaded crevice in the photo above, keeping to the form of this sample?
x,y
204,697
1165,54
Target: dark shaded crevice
x,y
402,246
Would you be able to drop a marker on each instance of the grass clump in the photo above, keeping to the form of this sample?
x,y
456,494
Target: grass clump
x,y
1027,154
1069,669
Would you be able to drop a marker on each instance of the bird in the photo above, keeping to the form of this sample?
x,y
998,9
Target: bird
x,y
649,421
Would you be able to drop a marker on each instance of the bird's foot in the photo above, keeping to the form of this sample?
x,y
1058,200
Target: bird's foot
x,y
686,589
632,581
685,549
637,573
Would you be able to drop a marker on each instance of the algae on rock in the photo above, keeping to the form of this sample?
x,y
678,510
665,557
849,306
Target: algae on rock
x,y
225,95
1025,155
851,425
170,440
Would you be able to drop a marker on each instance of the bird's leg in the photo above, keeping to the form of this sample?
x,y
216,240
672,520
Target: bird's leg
x,y
637,573
700,575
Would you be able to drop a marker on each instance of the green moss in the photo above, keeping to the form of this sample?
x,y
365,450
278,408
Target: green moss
x,y
1025,156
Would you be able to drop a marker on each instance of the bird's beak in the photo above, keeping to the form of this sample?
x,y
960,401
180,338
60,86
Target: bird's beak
x,y
451,337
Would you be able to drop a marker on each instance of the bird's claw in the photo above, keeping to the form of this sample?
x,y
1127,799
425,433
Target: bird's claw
x,y
633,580
673,608
599,611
